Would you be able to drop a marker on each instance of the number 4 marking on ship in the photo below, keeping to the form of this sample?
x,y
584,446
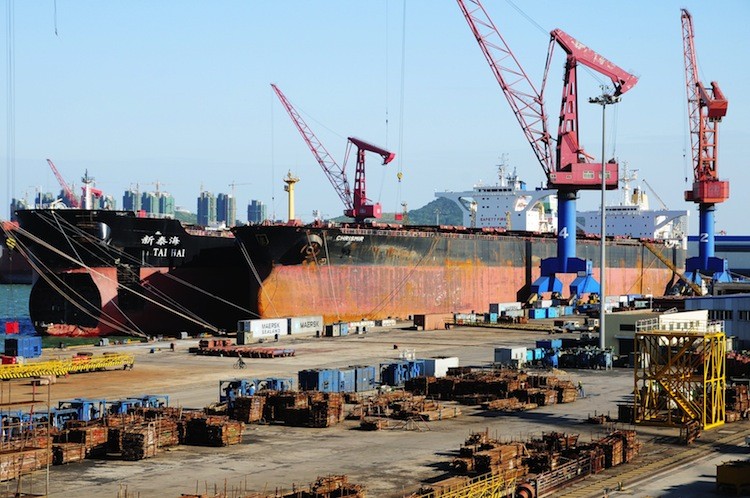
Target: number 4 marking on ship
x,y
563,233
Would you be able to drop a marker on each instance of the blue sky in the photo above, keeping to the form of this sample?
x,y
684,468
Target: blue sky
x,y
178,92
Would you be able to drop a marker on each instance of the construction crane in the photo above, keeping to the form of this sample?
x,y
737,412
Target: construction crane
x,y
706,107
357,205
569,169
69,195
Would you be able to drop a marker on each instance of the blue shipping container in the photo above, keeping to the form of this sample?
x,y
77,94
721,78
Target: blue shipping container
x,y
364,378
549,343
347,380
493,317
536,313
568,310
552,312
538,353
344,328
28,346
323,380
529,355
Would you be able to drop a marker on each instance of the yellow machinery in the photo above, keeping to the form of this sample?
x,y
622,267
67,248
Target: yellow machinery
x,y
77,364
680,373
484,486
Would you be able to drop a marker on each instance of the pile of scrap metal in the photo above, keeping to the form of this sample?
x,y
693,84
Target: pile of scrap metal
x,y
374,411
737,403
496,389
538,466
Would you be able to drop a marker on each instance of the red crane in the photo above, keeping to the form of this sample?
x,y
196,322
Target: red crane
x,y
74,202
358,206
569,168
706,107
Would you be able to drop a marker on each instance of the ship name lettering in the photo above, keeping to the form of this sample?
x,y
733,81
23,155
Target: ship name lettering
x,y
159,252
350,238
177,253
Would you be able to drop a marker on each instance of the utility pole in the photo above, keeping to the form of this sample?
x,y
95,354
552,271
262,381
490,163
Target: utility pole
x,y
603,100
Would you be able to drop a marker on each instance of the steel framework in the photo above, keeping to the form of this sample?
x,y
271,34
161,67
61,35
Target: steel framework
x,y
484,486
680,374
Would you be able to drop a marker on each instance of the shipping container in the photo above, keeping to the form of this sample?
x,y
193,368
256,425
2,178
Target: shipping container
x,y
323,380
493,317
245,338
500,307
537,313
543,303
438,366
388,322
434,321
364,377
553,312
508,356
347,379
306,325
28,346
263,328
398,372
549,343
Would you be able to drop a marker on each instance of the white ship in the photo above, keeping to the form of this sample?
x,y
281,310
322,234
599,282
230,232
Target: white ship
x,y
634,218
509,205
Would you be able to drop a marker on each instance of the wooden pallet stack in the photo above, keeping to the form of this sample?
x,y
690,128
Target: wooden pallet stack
x,y
139,443
93,437
327,411
737,403
248,409
63,453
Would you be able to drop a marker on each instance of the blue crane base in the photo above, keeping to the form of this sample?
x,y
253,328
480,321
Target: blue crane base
x,y
718,268
584,283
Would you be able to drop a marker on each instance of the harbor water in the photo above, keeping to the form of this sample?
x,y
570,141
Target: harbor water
x,y
14,306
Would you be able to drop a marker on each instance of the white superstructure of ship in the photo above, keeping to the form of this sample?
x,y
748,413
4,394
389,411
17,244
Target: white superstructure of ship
x,y
633,217
509,205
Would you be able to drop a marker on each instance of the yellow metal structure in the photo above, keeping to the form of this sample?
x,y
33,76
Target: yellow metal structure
x,y
66,366
680,374
668,263
484,486
290,180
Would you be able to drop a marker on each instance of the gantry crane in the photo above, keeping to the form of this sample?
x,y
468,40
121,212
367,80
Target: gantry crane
x,y
358,206
570,169
70,196
706,108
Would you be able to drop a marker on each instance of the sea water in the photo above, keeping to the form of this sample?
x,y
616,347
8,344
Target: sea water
x,y
14,306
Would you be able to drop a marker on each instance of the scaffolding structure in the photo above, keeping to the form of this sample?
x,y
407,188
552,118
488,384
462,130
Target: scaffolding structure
x,y
485,486
680,373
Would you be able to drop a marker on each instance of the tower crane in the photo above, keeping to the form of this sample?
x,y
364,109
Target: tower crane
x,y
70,196
706,107
358,206
570,169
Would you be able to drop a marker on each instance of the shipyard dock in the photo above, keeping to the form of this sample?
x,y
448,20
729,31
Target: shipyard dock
x,y
388,463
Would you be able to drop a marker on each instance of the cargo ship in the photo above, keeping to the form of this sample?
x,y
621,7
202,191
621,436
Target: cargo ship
x,y
101,272
372,271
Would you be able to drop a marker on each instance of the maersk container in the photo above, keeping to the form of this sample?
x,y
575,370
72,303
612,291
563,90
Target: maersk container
x,y
245,338
347,379
306,325
438,366
364,377
507,356
323,380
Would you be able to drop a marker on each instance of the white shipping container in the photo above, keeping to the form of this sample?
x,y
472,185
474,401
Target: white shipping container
x,y
543,303
500,307
507,356
438,366
243,326
268,327
306,325
388,322
245,338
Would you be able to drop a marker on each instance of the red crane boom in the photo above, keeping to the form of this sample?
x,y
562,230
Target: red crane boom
x,y
706,107
358,206
568,168
333,171
573,166
74,202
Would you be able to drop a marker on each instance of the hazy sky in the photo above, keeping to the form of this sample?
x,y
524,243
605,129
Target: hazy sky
x,y
178,92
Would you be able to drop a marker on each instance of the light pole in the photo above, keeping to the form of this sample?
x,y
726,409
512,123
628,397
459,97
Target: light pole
x,y
603,100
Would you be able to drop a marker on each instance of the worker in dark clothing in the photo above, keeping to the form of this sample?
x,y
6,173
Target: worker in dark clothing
x,y
581,392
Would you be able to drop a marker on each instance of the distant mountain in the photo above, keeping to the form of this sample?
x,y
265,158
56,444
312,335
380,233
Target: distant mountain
x,y
442,209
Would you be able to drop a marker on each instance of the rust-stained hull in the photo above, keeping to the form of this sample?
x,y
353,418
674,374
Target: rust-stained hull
x,y
355,273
